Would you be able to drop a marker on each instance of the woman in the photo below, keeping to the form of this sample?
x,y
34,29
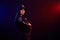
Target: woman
x,y
23,24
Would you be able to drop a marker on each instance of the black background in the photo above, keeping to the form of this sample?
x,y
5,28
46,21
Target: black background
x,y
45,25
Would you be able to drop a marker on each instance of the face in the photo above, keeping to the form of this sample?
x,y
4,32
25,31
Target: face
x,y
22,12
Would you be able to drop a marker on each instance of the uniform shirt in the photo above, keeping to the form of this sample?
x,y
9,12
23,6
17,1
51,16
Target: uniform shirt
x,y
21,25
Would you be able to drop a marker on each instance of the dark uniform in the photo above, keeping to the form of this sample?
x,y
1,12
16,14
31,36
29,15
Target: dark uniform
x,y
23,28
